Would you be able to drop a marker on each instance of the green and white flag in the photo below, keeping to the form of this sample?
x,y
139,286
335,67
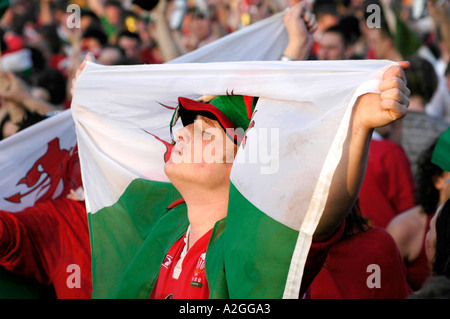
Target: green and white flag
x,y
279,181
280,176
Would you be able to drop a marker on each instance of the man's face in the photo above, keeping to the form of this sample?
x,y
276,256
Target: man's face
x,y
378,42
112,14
91,44
201,27
331,47
203,155
130,46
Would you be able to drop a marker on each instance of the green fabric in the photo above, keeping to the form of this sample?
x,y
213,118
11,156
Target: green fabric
x,y
118,232
110,29
16,287
405,41
441,153
233,107
257,251
140,277
215,263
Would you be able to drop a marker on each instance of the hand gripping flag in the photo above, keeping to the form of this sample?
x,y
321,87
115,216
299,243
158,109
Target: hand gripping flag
x,y
279,181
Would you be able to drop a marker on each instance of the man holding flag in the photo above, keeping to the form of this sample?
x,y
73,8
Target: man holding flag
x,y
230,232
193,249
205,186
63,216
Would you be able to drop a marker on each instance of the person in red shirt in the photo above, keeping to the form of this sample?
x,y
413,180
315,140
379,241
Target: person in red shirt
x,y
410,227
204,185
49,242
388,187
363,252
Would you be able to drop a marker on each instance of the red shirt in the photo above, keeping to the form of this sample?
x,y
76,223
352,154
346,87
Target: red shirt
x,y
43,241
388,186
348,268
182,275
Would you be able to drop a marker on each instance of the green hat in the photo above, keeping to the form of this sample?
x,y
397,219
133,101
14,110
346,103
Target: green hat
x,y
231,111
441,153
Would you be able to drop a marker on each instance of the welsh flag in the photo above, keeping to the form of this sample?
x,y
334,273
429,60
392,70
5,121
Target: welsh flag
x,y
279,181
37,164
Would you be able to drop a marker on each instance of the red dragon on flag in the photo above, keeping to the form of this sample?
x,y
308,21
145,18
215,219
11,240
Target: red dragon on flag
x,y
53,174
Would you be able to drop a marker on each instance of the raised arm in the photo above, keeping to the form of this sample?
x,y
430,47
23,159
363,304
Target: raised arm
x,y
17,93
440,12
370,111
97,7
166,42
300,25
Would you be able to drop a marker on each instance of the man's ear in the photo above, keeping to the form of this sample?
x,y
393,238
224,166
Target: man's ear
x,y
439,181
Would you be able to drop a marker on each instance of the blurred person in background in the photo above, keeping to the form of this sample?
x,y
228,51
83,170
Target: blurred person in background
x,y
410,227
418,129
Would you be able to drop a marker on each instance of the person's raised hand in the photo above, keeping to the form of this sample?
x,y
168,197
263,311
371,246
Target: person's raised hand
x,y
89,57
12,88
300,24
379,109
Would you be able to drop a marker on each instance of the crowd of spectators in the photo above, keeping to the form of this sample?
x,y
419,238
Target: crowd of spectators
x,y
43,43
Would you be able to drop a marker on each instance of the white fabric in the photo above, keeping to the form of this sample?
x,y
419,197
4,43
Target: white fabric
x,y
17,61
262,41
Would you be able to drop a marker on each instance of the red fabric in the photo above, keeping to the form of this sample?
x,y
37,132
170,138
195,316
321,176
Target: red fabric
x,y
14,43
388,186
148,57
419,269
55,60
42,241
317,255
345,272
191,283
